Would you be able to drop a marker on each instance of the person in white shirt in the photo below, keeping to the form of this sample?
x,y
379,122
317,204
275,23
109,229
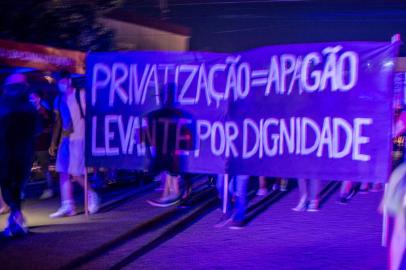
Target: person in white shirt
x,y
69,111
394,203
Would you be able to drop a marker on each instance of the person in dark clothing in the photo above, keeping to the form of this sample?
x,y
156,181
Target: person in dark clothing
x,y
175,138
18,127
43,140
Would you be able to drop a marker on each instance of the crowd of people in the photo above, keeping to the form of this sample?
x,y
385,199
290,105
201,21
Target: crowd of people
x,y
31,129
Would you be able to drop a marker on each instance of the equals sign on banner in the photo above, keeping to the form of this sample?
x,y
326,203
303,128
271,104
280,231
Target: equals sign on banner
x,y
259,77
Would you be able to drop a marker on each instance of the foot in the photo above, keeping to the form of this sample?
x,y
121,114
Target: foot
x,y
313,206
164,202
16,226
4,210
346,197
236,225
224,220
262,192
64,211
93,202
301,206
48,193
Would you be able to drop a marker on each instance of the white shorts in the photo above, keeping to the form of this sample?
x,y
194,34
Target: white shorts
x,y
71,157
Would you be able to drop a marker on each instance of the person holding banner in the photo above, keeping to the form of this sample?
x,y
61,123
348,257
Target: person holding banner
x,y
237,201
168,152
69,111
308,189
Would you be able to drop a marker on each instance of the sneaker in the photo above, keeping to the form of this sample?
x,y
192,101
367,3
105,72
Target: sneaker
x,y
64,211
4,210
93,202
47,194
16,226
313,206
224,220
236,225
164,202
262,192
301,206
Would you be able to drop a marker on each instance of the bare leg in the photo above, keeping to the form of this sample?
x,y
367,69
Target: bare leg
x,y
175,185
66,188
2,202
93,198
262,182
167,186
3,206
345,188
302,183
301,206
284,184
262,190
81,181
314,186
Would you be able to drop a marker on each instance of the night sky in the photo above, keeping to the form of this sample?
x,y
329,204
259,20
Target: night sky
x,y
240,25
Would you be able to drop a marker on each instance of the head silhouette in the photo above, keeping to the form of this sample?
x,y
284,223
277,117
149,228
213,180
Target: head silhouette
x,y
16,84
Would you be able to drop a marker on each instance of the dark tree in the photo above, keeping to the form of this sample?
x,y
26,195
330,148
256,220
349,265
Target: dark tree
x,y
64,24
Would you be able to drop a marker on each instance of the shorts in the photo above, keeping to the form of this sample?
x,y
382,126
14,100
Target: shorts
x,y
71,157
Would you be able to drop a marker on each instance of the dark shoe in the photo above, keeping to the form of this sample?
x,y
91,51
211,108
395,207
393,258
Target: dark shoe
x,y
184,204
236,225
224,220
342,200
351,194
345,198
